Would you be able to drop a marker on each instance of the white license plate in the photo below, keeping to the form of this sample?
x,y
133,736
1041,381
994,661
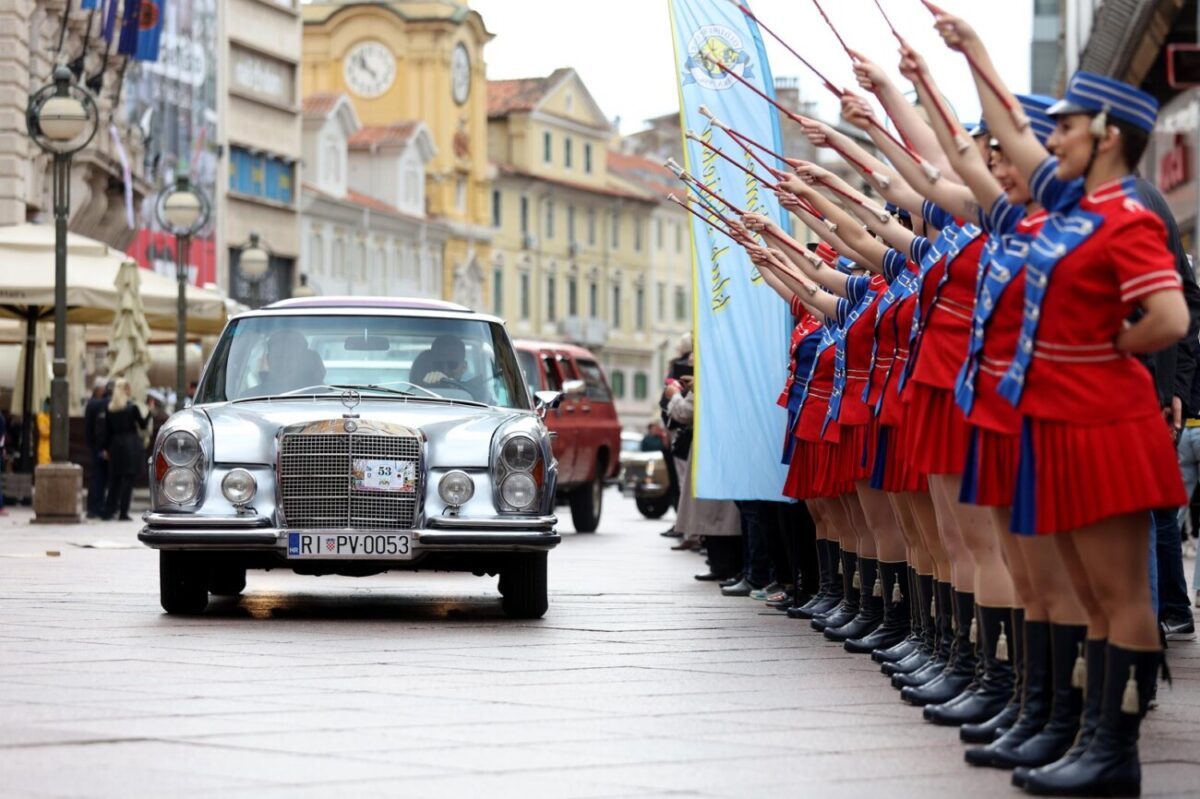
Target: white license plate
x,y
350,546
384,476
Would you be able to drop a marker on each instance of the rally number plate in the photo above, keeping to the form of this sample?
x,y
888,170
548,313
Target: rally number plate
x,y
349,546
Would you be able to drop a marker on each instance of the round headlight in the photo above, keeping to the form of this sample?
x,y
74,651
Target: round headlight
x,y
239,486
518,490
180,485
456,489
181,448
519,453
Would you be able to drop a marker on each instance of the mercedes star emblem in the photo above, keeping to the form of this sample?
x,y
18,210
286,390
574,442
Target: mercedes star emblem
x,y
351,398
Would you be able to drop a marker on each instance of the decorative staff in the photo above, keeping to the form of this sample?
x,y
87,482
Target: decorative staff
x,y
687,206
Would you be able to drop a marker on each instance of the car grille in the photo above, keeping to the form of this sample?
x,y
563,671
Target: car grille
x,y
316,486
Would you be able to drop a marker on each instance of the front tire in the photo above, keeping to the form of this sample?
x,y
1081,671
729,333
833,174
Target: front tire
x,y
182,583
587,500
653,507
523,586
228,582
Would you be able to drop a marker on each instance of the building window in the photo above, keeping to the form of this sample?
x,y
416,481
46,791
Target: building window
x,y
551,298
616,306
495,208
498,291
572,295
660,300
680,304
549,219
593,299
571,224
616,229
618,383
262,176
658,226
637,234
587,157
678,237
524,295
524,214
639,308
316,254
567,151
339,265
547,147
591,226
460,194
360,260
641,386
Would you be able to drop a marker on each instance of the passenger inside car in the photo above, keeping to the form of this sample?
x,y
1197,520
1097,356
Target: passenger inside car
x,y
290,364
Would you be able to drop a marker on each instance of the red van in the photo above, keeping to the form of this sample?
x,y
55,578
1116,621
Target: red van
x,y
585,429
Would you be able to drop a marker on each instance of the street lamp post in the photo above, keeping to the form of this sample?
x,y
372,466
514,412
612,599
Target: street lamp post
x,y
62,118
305,289
183,210
253,263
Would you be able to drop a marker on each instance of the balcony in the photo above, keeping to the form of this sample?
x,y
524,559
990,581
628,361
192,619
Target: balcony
x,y
584,331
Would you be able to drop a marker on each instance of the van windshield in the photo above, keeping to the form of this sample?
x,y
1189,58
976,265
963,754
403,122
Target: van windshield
x,y
427,357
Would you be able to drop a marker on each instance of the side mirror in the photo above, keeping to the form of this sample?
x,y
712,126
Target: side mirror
x,y
574,388
546,400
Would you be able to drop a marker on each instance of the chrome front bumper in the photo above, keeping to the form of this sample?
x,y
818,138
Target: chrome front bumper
x,y
440,534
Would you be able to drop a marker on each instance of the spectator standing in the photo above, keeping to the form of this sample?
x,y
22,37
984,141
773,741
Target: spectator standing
x,y
123,443
95,424
43,431
3,452
1189,443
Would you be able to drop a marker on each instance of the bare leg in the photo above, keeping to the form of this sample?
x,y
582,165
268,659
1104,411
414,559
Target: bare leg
x,y
918,554
1097,620
877,508
815,510
962,562
926,518
993,584
837,524
1115,554
866,538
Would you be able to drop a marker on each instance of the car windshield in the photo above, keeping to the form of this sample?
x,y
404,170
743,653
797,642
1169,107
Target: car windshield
x,y
425,357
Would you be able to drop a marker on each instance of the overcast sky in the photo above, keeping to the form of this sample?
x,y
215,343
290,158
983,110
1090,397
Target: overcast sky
x,y
622,48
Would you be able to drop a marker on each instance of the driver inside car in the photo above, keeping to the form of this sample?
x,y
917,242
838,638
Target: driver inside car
x,y
444,365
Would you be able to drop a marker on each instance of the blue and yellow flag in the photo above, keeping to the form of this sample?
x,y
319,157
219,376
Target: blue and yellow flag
x,y
741,325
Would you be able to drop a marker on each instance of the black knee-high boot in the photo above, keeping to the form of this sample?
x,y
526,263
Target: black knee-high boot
x,y
927,643
847,608
960,669
870,605
911,642
1092,671
994,687
991,729
819,602
943,643
894,625
1053,740
1035,703
1109,766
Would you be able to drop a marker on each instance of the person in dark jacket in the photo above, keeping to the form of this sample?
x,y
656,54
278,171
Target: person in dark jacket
x,y
123,444
95,423
1172,370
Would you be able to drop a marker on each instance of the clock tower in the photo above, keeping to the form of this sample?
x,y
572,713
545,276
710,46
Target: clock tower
x,y
418,60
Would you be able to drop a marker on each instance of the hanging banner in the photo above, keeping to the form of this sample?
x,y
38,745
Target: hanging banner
x,y
741,324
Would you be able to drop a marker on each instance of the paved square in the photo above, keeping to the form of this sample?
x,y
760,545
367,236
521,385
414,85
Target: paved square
x,y
639,682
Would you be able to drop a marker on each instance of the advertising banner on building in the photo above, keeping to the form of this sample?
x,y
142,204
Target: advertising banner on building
x,y
741,337
173,101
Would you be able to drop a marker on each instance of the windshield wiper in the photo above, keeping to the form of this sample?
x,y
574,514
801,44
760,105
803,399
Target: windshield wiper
x,y
428,395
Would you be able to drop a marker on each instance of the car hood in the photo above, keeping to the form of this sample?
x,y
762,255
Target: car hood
x,y
457,435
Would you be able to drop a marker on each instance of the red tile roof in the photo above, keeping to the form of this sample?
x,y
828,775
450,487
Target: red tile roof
x,y
644,173
363,201
608,191
320,104
396,133
520,94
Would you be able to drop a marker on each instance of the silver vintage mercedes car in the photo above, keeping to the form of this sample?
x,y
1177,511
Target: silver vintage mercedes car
x,y
355,436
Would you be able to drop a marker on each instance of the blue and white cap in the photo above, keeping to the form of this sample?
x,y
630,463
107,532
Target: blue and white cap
x,y
896,210
1035,107
846,266
1089,93
980,128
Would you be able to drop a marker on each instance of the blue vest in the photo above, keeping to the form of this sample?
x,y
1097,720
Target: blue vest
x,y
954,239
826,342
839,357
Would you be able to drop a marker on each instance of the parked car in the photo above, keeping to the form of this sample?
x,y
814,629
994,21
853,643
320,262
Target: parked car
x,y
644,477
585,430
356,436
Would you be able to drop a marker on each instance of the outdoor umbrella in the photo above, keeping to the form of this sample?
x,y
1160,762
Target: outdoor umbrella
x,y
39,389
128,347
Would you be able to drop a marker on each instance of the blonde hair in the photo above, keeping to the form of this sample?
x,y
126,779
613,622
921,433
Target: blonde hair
x,y
120,396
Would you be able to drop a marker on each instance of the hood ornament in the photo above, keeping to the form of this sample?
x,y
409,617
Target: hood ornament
x,y
351,398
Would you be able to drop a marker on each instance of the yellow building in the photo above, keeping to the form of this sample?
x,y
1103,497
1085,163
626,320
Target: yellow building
x,y
574,249
418,60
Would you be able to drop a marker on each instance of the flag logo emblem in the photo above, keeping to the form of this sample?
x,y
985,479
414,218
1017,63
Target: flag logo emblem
x,y
710,46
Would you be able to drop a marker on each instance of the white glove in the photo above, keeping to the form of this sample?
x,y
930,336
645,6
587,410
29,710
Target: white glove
x,y
433,378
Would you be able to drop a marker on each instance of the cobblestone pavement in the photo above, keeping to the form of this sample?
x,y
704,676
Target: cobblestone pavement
x,y
639,682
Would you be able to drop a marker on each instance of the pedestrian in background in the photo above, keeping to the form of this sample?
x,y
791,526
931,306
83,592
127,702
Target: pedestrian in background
x,y
94,428
123,444
43,432
3,451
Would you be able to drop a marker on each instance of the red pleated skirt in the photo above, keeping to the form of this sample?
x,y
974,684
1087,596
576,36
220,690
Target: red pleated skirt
x,y
804,471
891,470
832,481
1073,475
936,432
848,463
990,468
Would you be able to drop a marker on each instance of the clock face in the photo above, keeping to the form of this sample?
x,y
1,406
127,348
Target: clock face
x,y
460,73
369,69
